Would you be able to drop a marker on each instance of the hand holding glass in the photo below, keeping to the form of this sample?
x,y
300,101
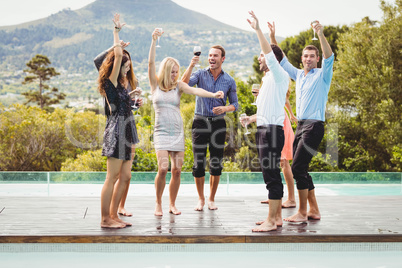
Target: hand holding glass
x,y
244,119
159,30
197,52
255,89
136,94
314,23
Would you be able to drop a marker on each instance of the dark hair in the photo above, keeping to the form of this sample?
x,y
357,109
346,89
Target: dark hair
x,y
278,52
221,49
312,47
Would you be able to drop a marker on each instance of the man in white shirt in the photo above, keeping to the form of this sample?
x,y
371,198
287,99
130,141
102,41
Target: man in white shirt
x,y
270,116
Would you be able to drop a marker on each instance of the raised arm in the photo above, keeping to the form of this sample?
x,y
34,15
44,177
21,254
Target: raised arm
x,y
101,57
325,47
265,46
199,91
187,74
272,38
118,51
153,82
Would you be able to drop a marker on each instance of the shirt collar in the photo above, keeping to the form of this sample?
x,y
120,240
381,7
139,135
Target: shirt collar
x,y
208,69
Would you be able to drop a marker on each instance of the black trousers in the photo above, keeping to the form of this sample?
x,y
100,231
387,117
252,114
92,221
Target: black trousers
x,y
270,140
309,134
208,132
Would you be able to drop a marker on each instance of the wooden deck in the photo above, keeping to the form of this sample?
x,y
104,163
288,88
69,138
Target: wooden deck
x,y
76,220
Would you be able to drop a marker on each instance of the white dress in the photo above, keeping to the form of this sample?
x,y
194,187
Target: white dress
x,y
168,129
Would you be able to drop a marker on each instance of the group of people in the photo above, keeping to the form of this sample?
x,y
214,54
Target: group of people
x,y
274,136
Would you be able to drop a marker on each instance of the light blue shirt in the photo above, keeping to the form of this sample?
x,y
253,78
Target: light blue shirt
x,y
204,79
312,89
272,96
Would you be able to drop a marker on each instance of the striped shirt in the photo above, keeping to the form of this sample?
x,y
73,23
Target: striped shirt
x,y
204,79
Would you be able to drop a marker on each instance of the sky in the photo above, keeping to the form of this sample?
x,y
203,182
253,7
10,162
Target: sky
x,y
290,16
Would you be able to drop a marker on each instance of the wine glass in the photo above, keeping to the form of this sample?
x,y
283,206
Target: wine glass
x,y
159,30
136,93
246,123
314,23
255,89
197,52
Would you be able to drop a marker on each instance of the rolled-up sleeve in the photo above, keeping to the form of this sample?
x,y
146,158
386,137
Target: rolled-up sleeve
x,y
327,69
232,95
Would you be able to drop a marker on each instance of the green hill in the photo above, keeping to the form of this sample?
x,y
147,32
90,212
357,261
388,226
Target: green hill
x,y
72,38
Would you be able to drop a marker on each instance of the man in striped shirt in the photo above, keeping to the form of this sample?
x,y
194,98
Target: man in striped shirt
x,y
209,126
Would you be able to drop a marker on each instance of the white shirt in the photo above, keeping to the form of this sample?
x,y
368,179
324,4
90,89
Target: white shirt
x,y
272,96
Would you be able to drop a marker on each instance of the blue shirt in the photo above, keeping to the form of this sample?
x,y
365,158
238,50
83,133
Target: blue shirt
x,y
312,89
204,79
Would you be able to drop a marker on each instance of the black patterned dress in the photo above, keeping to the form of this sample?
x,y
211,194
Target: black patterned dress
x,y
120,132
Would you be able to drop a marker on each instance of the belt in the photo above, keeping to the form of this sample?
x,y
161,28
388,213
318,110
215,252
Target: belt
x,y
269,126
209,118
309,121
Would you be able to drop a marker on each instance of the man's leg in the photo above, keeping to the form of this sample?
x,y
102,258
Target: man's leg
x,y
216,149
200,138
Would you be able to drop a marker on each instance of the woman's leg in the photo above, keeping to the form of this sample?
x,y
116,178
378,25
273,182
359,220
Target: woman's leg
x,y
121,210
113,170
177,159
160,179
287,173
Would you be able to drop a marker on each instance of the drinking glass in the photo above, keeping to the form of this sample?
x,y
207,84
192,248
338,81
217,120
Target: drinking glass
x,y
136,97
314,23
246,123
160,30
254,90
197,52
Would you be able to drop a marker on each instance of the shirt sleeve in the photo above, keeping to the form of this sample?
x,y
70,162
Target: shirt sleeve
x,y
99,59
232,95
328,69
278,73
289,68
194,78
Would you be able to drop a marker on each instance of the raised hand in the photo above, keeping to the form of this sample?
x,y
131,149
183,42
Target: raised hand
x,y
117,23
318,28
254,23
156,33
271,28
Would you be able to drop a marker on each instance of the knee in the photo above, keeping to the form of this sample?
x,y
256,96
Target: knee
x,y
162,171
176,172
125,177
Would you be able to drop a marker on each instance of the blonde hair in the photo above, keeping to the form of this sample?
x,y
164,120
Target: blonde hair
x,y
165,82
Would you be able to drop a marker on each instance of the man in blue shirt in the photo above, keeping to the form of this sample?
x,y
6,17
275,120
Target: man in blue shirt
x,y
209,126
312,87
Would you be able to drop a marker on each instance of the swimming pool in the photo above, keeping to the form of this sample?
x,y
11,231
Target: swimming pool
x,y
290,255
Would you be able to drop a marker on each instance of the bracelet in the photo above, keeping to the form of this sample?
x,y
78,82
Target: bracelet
x,y
117,29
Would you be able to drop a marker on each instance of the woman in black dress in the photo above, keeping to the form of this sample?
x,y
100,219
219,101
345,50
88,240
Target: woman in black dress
x,y
120,132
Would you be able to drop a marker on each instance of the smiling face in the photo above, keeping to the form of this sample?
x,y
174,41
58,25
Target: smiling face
x,y
175,72
309,59
215,59
263,63
125,68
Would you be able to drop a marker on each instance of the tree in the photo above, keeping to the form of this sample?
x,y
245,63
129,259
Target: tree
x,y
366,90
45,97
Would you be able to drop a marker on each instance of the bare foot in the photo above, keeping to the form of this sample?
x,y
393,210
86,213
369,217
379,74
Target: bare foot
x,y
313,216
112,224
200,205
289,204
158,210
265,201
212,206
124,212
174,210
279,223
296,218
126,224
265,227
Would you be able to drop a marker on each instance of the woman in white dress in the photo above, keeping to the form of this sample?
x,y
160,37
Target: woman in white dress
x,y
166,91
